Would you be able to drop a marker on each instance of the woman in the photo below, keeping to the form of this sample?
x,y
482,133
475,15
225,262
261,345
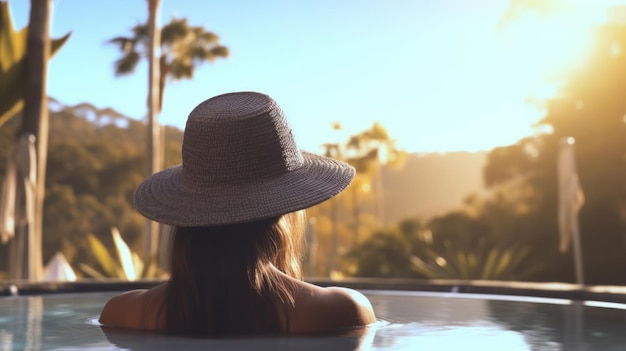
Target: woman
x,y
236,204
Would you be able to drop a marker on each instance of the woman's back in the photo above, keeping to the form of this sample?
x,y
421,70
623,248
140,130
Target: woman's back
x,y
239,279
316,310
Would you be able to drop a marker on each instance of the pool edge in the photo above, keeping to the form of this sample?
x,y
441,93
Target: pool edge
x,y
549,290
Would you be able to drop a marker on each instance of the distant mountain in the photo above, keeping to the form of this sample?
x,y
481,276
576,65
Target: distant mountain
x,y
431,184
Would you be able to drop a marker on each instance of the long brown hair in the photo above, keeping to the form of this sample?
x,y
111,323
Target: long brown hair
x,y
222,282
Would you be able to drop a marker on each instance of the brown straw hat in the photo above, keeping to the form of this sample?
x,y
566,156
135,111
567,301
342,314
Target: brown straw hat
x,y
240,164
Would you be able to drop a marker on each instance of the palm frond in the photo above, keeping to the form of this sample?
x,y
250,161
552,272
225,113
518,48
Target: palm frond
x,y
206,37
174,31
220,51
140,32
127,63
121,42
90,271
12,56
180,69
126,257
104,259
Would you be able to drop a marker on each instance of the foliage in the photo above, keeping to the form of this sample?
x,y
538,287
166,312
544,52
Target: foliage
x,y
124,264
367,151
591,109
372,147
454,246
12,56
387,253
347,214
487,261
183,47
96,160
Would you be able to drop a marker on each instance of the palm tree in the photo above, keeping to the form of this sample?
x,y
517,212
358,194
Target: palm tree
x,y
368,151
334,150
35,129
183,47
154,106
24,61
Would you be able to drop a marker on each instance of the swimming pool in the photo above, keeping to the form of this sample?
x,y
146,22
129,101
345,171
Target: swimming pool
x,y
407,320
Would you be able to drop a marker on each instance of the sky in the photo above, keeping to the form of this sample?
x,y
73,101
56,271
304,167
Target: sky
x,y
439,75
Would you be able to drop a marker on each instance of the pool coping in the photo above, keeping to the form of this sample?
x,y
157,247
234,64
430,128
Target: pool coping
x,y
568,291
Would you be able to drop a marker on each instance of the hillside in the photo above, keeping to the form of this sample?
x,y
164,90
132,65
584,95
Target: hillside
x,y
430,184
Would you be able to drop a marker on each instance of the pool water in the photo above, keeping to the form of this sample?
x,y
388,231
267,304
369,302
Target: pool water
x,y
406,321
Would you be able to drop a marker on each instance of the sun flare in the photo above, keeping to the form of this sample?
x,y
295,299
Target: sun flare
x,y
548,42
534,50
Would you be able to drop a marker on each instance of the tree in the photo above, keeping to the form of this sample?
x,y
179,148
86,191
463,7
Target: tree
x,y
367,151
457,245
35,128
333,150
154,106
183,47
96,161
12,58
387,253
590,109
24,59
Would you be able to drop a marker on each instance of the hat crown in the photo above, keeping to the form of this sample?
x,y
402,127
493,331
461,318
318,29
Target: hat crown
x,y
237,138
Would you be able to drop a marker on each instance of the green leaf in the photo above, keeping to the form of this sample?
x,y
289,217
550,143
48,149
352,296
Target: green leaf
x,y
102,256
125,255
12,56
12,53
504,262
489,266
12,42
90,271
150,269
56,44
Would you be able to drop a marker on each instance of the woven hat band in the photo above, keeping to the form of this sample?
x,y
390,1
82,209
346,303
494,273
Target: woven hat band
x,y
237,150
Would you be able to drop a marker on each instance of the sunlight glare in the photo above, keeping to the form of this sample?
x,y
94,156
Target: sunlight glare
x,y
529,58
616,49
548,46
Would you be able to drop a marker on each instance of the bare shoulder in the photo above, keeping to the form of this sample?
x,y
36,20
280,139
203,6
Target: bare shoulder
x,y
131,309
122,310
355,308
332,308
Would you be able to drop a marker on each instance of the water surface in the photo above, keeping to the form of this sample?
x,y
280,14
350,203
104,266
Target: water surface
x,y
407,321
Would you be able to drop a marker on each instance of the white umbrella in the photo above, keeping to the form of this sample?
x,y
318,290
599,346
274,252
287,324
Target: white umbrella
x,y
59,270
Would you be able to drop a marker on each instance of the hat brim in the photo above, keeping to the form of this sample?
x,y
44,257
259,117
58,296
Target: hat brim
x,y
162,197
